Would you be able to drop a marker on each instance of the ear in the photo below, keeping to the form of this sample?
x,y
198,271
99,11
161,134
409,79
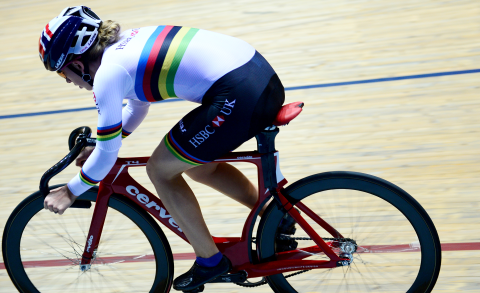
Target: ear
x,y
77,64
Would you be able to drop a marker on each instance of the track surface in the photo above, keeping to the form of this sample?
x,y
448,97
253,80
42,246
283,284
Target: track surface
x,y
390,87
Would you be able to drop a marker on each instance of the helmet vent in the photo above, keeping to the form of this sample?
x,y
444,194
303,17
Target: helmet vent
x,y
84,41
75,39
90,13
72,32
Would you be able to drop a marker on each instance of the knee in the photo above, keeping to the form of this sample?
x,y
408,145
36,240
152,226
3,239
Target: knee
x,y
161,170
158,174
157,168
152,170
163,166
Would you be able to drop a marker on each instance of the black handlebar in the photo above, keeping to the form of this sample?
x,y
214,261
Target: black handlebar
x,y
78,139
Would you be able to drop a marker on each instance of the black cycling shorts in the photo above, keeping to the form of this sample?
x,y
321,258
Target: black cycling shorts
x,y
234,109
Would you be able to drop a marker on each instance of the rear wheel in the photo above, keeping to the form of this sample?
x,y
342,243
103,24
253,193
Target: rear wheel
x,y
42,251
394,242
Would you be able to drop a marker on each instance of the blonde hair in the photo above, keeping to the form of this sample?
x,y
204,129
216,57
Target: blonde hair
x,y
108,34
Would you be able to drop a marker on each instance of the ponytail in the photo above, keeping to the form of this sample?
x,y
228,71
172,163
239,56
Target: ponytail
x,y
108,34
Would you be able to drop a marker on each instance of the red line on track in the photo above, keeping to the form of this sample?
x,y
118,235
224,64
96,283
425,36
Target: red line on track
x,y
461,246
191,255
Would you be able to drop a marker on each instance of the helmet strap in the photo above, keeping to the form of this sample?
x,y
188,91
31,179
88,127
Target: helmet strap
x,y
86,76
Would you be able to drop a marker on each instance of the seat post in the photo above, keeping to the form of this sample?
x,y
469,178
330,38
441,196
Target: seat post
x,y
266,147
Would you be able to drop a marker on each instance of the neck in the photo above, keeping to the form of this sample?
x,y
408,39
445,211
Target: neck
x,y
94,65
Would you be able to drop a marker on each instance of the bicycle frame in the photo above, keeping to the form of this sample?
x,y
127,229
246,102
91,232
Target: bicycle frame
x,y
237,249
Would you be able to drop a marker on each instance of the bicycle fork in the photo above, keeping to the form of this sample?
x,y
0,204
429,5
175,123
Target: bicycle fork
x,y
96,226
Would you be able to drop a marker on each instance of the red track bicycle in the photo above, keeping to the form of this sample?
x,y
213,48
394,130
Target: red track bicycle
x,y
355,233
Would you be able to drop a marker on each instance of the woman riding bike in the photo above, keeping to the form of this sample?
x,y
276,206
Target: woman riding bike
x,y
239,95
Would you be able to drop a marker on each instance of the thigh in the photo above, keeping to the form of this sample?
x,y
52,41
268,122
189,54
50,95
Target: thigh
x,y
201,172
234,109
164,165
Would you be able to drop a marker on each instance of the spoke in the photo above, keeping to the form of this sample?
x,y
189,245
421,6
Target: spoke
x,y
57,240
376,230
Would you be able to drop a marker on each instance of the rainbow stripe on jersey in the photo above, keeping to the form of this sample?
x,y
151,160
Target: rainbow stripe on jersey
x,y
159,62
109,132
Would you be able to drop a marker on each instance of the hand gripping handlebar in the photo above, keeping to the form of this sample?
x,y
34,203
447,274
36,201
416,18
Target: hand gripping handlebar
x,y
78,139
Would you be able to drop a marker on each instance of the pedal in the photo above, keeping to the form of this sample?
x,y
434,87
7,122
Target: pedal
x,y
239,277
196,290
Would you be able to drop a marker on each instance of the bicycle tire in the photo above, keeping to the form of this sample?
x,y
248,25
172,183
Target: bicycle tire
x,y
31,272
382,271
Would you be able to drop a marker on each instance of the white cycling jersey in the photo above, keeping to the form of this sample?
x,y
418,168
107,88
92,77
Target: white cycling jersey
x,y
147,65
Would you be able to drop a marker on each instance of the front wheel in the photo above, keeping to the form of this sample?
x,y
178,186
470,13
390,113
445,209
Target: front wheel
x,y
42,251
394,242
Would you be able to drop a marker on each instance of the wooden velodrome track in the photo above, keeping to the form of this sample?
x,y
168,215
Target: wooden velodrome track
x,y
414,122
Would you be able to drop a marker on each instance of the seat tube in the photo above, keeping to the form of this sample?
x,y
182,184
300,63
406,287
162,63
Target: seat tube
x,y
96,226
266,147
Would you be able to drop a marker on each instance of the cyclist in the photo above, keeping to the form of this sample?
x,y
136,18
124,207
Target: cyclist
x,y
238,92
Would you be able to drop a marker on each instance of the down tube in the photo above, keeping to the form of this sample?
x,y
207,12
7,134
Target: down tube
x,y
125,185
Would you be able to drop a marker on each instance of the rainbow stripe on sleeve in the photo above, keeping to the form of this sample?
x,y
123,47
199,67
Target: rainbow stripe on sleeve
x,y
159,62
87,180
109,132
125,133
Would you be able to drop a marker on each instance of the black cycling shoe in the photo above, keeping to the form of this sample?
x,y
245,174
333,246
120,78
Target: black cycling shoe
x,y
283,241
198,275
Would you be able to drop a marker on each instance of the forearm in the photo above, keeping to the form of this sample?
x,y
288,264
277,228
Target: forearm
x,y
93,171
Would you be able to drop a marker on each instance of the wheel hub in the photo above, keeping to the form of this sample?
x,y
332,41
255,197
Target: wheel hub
x,y
348,247
87,267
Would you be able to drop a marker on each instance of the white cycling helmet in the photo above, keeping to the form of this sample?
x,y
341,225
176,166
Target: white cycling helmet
x,y
69,34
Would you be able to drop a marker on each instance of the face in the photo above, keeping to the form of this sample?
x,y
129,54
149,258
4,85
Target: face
x,y
71,77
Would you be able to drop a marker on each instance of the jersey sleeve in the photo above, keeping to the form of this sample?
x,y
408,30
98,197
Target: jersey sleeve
x,y
111,84
132,115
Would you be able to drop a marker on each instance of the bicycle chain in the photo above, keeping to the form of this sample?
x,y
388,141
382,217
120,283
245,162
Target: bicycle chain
x,y
286,237
251,285
265,282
